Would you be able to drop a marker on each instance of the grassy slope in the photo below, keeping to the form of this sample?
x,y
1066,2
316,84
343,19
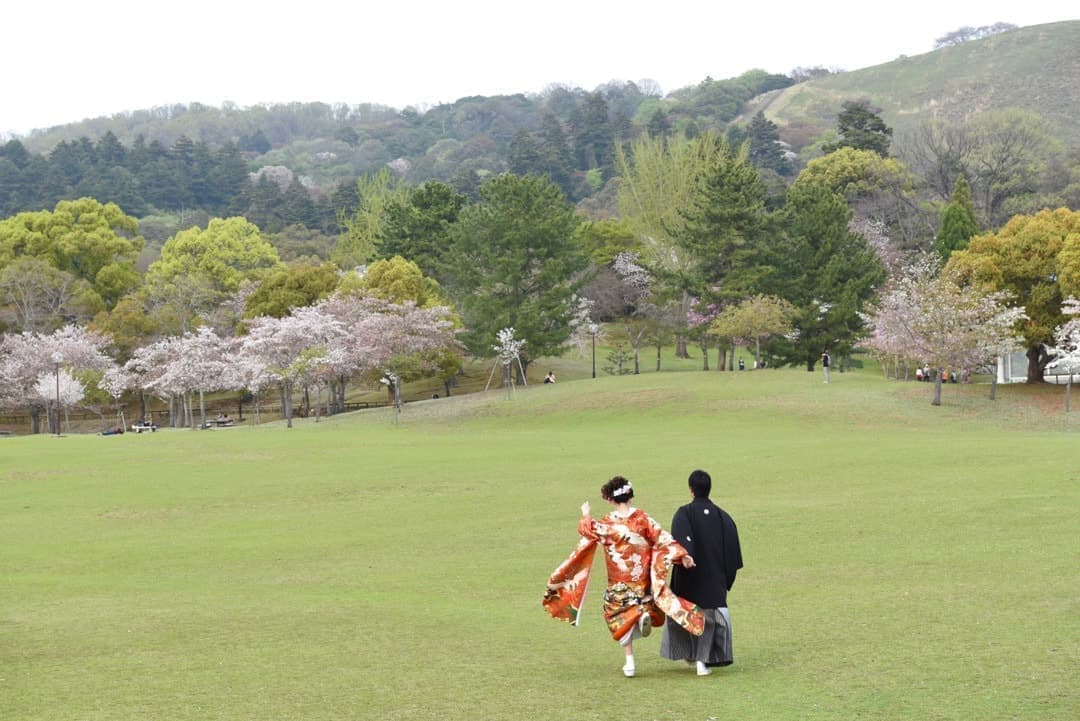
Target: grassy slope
x,y
1034,68
903,561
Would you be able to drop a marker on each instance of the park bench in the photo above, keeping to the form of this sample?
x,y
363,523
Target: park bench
x,y
219,423
140,426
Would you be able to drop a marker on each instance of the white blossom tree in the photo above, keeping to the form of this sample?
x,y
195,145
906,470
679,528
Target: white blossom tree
x,y
26,357
383,338
60,390
507,351
1067,350
280,348
937,320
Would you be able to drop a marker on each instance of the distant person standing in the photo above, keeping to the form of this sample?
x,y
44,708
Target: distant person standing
x,y
826,361
709,534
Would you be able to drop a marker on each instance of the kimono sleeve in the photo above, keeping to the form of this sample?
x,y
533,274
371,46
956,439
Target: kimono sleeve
x,y
565,592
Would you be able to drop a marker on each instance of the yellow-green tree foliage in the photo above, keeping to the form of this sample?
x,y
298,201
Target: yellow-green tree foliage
x,y
399,280
223,255
92,241
1034,257
857,173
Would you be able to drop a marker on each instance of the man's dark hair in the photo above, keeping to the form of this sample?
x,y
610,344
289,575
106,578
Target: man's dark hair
x,y
700,484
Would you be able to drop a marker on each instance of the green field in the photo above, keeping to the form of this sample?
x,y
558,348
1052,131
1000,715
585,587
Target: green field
x,y
903,561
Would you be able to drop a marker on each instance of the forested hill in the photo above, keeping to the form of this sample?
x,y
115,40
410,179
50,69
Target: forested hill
x,y
295,165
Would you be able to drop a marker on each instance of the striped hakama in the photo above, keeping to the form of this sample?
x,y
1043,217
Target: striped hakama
x,y
712,647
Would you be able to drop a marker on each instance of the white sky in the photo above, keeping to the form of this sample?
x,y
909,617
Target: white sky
x,y
63,61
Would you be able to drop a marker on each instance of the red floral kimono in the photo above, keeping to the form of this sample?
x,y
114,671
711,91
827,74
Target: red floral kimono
x,y
639,554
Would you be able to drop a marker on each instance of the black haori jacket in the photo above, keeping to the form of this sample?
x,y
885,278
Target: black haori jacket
x,y
709,534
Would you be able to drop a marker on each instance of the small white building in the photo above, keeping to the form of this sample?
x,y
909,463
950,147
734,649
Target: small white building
x,y
1012,368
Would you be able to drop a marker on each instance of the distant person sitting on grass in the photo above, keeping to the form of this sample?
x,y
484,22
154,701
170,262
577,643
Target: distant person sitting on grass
x,y
550,377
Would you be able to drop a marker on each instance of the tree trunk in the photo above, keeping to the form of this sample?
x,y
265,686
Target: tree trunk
x,y
680,347
286,402
202,409
705,355
993,386
637,364
658,347
937,388
1037,360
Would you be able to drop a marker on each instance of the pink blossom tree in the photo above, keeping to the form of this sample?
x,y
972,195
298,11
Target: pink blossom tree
x,y
383,338
26,357
284,350
946,324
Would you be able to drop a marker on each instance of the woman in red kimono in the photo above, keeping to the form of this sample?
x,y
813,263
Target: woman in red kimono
x,y
638,555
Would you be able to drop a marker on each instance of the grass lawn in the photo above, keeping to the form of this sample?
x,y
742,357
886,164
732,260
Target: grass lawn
x,y
903,561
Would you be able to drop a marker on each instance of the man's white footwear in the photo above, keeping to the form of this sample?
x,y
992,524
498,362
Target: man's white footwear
x,y
702,669
628,670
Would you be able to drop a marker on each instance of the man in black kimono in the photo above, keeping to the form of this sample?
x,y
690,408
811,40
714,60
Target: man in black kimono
x,y
709,534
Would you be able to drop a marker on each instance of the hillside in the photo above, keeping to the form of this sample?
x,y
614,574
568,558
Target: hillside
x,y
1035,68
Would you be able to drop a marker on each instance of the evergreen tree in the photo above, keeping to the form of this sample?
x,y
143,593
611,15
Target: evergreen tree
x,y
523,155
861,127
594,139
557,160
515,265
418,229
723,227
766,152
827,272
958,223
659,126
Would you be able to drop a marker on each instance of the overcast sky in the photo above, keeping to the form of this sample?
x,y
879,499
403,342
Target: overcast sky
x,y
63,61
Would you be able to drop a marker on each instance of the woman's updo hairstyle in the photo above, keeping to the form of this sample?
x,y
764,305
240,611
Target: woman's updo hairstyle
x,y
618,489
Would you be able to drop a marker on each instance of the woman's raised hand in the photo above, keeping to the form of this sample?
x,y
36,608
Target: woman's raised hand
x,y
585,507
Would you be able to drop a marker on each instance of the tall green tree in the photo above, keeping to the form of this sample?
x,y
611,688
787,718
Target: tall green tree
x,y
723,227
555,154
658,184
766,152
198,268
418,227
822,268
958,223
860,126
515,264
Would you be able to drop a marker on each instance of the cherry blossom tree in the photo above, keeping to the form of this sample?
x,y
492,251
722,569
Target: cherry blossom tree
x,y
281,348
1067,350
508,350
382,337
59,388
944,323
26,357
698,320
200,366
